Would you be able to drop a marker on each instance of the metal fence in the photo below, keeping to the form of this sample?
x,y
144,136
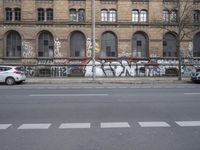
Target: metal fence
x,y
158,67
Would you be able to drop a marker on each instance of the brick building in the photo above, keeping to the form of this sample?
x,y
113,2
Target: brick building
x,y
58,32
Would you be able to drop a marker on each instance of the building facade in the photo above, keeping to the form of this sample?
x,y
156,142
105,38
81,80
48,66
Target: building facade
x,y
54,37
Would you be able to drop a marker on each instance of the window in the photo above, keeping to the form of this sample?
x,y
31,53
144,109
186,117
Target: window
x,y
77,49
169,16
45,44
13,44
108,16
139,16
196,16
112,16
196,45
17,14
8,14
143,16
166,15
169,45
104,15
77,16
139,45
108,45
49,14
40,14
81,15
173,16
73,15
135,16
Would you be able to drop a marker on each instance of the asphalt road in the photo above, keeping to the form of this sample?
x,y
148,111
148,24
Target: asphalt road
x,y
100,117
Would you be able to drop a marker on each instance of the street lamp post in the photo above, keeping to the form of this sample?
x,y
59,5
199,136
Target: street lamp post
x,y
93,41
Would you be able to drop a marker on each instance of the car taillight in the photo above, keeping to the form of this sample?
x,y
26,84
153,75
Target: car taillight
x,y
18,72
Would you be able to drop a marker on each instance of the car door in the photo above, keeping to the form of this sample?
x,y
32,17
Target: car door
x,y
1,74
4,73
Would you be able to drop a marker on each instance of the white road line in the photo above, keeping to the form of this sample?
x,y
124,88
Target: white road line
x,y
188,123
99,87
154,124
110,87
75,126
4,126
62,95
115,125
35,126
122,87
191,93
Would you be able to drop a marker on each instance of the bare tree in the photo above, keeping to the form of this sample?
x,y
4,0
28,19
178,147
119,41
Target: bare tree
x,y
181,22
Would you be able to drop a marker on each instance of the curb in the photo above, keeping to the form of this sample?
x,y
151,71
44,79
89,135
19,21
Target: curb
x,y
107,80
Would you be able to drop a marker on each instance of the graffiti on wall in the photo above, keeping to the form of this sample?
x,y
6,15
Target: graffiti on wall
x,y
57,46
27,49
89,48
112,68
45,62
124,51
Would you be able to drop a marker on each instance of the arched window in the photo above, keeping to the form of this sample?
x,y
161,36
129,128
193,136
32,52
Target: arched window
x,y
8,14
166,15
140,45
196,16
73,14
49,14
17,14
104,15
40,14
108,45
77,44
135,16
45,44
81,15
196,45
143,16
169,45
13,44
173,16
112,15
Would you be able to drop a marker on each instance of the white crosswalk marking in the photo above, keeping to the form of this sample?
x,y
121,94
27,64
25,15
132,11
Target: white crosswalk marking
x,y
74,126
4,126
154,124
102,125
188,123
115,125
35,126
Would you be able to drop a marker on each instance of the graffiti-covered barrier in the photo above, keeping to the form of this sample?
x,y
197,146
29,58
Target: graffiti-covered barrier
x,y
110,68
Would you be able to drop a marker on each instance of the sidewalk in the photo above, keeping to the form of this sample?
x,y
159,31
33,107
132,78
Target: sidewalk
x,y
117,80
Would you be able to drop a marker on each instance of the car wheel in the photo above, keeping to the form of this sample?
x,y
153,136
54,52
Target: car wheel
x,y
10,81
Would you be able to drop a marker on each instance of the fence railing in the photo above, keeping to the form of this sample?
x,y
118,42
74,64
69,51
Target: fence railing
x,y
125,67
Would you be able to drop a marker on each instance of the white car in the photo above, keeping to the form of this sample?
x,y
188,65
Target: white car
x,y
12,74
